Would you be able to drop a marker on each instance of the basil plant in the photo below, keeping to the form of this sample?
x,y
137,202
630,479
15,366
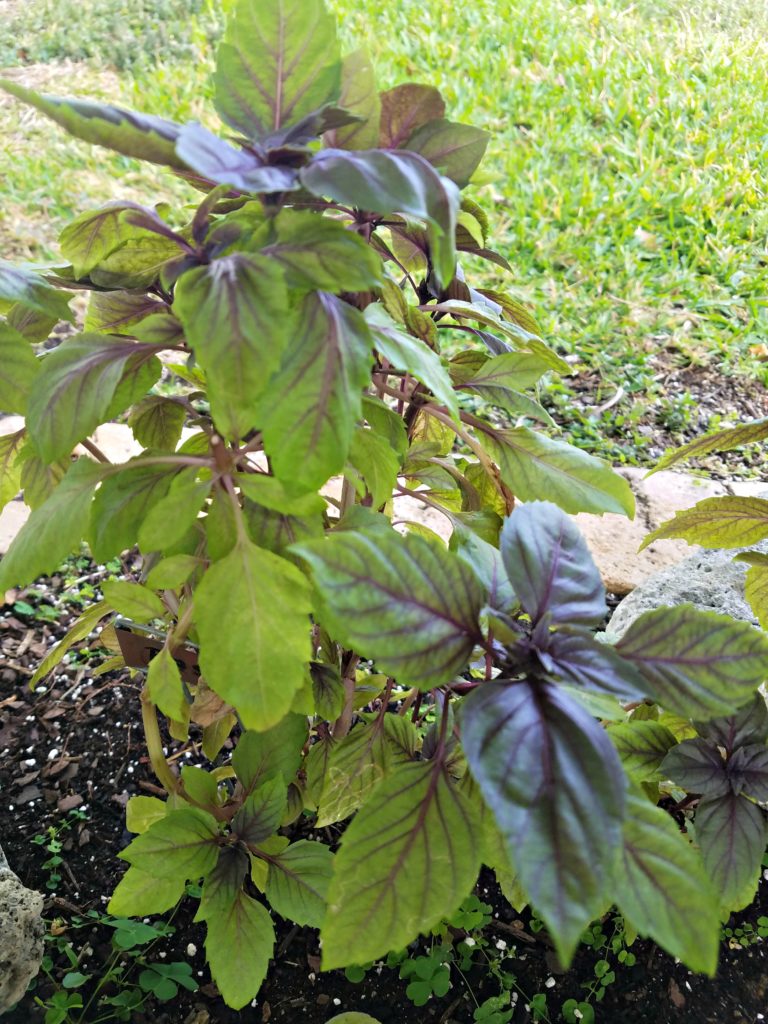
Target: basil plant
x,y
426,707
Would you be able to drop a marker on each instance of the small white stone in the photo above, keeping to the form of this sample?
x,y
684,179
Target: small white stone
x,y
549,983
469,941
191,949
337,1002
578,1014
53,754
501,944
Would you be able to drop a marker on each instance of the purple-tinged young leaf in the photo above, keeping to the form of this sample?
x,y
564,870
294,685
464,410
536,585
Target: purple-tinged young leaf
x,y
222,885
143,136
698,767
731,833
279,62
406,108
214,159
408,605
749,725
748,771
555,785
696,664
317,123
550,567
575,656
387,182
262,812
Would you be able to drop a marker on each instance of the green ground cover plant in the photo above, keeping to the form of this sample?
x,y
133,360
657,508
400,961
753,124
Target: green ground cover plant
x,y
444,707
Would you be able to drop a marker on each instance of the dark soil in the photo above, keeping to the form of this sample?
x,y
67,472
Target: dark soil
x,y
72,753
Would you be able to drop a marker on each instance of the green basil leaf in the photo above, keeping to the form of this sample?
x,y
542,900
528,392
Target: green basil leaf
x,y
417,824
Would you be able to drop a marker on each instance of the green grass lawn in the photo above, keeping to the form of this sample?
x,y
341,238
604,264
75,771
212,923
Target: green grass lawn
x,y
626,176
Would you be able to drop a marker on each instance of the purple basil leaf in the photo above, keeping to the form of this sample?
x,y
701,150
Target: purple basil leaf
x,y
748,771
730,831
550,567
141,217
749,725
387,182
577,657
214,159
315,124
697,766
555,785
495,345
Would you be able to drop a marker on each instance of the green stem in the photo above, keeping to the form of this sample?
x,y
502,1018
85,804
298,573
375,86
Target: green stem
x,y
165,775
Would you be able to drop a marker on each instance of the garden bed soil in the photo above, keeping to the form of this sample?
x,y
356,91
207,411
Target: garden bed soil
x,y
77,746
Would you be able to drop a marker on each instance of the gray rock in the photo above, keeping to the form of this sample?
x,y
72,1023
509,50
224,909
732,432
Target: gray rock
x,y
21,936
710,580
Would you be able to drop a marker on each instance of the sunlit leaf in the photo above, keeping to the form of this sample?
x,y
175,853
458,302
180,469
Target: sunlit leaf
x,y
279,61
534,466
392,182
722,522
